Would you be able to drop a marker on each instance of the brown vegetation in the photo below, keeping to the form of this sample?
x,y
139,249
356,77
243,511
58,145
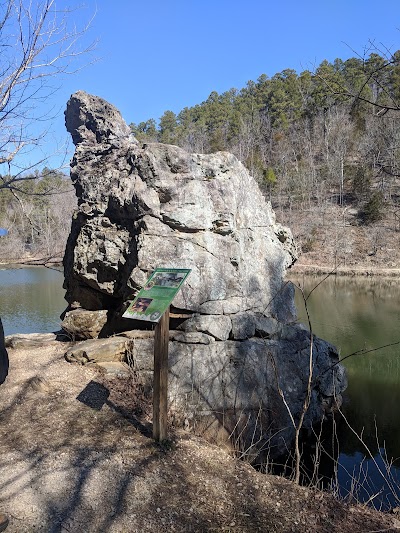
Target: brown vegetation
x,y
331,238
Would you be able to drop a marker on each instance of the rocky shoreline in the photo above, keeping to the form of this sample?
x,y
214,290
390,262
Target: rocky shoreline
x,y
33,262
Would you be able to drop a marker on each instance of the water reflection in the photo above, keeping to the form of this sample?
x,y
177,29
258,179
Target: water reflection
x,y
31,299
356,315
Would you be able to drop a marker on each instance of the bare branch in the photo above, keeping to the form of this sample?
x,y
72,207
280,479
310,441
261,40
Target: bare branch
x,y
39,43
351,94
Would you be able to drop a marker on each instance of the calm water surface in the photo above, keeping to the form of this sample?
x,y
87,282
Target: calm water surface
x,y
356,315
31,299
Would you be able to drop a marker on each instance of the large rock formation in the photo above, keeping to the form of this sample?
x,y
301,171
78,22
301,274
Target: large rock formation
x,y
237,355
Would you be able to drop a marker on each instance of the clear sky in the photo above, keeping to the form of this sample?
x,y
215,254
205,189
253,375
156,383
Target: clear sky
x,y
155,55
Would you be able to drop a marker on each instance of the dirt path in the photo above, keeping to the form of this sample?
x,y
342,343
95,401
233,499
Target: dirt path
x,y
74,459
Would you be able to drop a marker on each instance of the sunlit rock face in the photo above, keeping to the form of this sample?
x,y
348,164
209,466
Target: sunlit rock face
x,y
142,207
156,205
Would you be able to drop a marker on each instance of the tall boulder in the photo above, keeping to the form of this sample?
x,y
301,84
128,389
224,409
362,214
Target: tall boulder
x,y
156,205
142,207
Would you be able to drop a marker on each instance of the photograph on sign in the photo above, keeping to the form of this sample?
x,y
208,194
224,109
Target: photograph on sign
x,y
157,294
168,279
141,304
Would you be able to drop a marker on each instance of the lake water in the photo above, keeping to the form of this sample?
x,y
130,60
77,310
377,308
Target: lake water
x,y
353,314
31,299
361,315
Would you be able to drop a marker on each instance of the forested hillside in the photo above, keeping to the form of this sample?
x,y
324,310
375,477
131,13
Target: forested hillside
x,y
323,145
37,214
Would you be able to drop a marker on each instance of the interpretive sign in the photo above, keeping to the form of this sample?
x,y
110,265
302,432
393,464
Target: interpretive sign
x,y
157,294
152,304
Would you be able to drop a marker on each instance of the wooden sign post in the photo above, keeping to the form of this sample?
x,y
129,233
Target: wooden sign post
x,y
160,387
152,304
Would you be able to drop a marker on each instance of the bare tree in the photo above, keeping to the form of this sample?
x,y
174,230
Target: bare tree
x,y
38,45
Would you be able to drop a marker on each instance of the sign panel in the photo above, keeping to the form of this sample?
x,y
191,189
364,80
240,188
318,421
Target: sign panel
x,y
155,297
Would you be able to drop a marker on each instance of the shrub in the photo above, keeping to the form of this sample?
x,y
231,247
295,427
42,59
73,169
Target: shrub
x,y
374,209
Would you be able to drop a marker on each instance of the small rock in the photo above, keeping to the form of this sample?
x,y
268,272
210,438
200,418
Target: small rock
x,y
114,368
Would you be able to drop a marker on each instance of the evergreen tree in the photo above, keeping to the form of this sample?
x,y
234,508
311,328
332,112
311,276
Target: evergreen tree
x,y
168,128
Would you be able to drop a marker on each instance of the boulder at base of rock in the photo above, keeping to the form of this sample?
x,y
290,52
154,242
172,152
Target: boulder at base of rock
x,y
84,324
97,351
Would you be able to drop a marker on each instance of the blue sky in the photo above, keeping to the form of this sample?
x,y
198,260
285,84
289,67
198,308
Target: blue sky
x,y
156,55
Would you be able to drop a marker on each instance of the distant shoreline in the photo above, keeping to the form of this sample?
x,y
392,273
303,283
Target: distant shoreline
x,y
297,268
365,271
29,261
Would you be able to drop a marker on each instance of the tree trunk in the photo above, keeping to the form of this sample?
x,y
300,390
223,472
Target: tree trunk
x,y
3,356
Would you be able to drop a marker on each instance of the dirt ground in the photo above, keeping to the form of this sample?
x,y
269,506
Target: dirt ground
x,y
76,455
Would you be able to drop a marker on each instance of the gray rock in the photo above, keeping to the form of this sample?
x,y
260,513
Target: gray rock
x,y
84,324
218,326
97,350
140,354
239,382
137,334
236,381
92,120
194,337
266,326
243,326
29,340
247,325
114,368
233,382
155,205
